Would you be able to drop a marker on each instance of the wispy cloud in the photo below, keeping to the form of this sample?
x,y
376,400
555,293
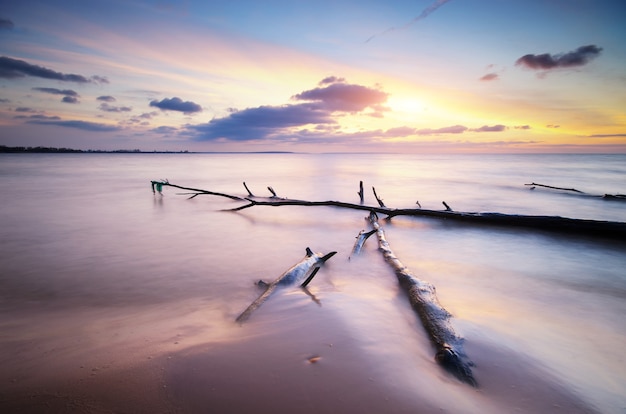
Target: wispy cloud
x,y
607,135
83,125
13,68
106,98
490,77
425,13
546,61
111,108
55,91
176,104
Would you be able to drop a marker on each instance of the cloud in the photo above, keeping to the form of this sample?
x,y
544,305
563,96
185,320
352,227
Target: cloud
x,y
522,127
176,104
106,98
37,118
70,99
490,77
553,126
166,130
14,68
55,91
24,109
83,125
606,135
487,128
427,11
260,122
6,24
317,107
545,61
344,97
110,108
455,129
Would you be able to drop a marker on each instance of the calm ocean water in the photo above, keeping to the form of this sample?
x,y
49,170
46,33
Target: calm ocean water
x,y
83,234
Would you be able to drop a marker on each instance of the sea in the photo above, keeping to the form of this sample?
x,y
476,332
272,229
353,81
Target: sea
x,y
98,274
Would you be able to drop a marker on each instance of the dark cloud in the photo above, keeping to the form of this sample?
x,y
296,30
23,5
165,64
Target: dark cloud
x,y
14,68
24,109
4,100
490,77
166,130
176,104
455,129
37,118
522,127
487,128
55,91
6,24
545,61
110,108
84,125
260,122
106,98
70,99
317,109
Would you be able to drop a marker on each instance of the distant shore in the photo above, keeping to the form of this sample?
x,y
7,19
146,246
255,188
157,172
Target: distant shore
x,y
54,150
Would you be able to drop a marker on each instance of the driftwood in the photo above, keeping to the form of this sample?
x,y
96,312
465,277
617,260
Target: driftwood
x,y
605,229
302,272
617,197
434,317
360,241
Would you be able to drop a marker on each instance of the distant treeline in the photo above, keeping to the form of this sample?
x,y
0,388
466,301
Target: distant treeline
x,y
4,148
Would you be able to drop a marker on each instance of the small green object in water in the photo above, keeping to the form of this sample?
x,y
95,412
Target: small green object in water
x,y
159,187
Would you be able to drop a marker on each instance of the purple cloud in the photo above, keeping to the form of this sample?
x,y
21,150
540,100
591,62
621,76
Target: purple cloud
x,y
13,68
106,98
317,108
84,125
70,99
490,77
6,24
545,61
55,91
110,108
455,129
176,104
487,128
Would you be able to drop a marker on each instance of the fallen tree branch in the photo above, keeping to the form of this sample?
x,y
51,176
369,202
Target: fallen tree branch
x,y
554,188
302,272
360,241
160,184
435,319
599,228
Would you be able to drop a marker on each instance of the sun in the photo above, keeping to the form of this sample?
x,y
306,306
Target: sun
x,y
406,105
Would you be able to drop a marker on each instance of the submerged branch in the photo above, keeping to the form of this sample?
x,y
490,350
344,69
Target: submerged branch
x,y
435,318
606,229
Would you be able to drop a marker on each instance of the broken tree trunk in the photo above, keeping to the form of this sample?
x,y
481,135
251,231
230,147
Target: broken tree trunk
x,y
302,272
435,319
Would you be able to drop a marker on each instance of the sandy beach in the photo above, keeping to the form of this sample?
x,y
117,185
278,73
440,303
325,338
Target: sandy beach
x,y
177,358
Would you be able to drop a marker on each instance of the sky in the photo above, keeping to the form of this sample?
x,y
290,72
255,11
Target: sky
x,y
469,76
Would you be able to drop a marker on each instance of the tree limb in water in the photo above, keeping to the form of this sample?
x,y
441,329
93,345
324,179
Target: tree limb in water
x,y
360,241
618,197
554,188
435,319
606,229
302,272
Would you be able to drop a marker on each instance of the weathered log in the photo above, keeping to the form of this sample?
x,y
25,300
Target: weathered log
x,y
435,318
360,241
585,227
302,272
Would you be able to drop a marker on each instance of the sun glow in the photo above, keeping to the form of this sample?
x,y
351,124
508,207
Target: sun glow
x,y
405,105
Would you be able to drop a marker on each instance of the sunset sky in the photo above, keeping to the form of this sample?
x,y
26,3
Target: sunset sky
x,y
316,76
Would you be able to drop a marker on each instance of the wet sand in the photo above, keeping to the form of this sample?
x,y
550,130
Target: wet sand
x,y
181,358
